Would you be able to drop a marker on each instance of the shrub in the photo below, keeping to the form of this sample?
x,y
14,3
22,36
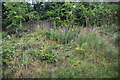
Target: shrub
x,y
90,39
47,54
9,52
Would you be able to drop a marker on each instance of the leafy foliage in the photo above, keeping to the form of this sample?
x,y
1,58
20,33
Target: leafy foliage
x,y
47,54
68,49
62,14
15,13
63,36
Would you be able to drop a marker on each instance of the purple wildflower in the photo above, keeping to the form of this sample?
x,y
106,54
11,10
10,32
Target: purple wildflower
x,y
63,30
99,30
91,30
106,36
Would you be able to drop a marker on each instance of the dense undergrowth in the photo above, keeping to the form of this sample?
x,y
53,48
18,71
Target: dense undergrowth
x,y
82,40
77,52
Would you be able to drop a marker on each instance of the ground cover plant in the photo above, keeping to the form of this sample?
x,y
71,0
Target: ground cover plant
x,y
74,47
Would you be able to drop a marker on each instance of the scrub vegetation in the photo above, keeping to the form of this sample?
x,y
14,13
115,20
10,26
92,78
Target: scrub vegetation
x,y
82,42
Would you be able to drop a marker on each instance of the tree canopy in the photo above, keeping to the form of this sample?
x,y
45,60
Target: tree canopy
x,y
60,13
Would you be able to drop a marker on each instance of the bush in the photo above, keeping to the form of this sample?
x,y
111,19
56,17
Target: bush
x,y
8,52
90,39
47,54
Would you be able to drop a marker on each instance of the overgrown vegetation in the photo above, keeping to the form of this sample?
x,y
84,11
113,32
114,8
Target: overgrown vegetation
x,y
82,42
62,14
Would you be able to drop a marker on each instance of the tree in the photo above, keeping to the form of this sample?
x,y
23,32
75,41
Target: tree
x,y
15,13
